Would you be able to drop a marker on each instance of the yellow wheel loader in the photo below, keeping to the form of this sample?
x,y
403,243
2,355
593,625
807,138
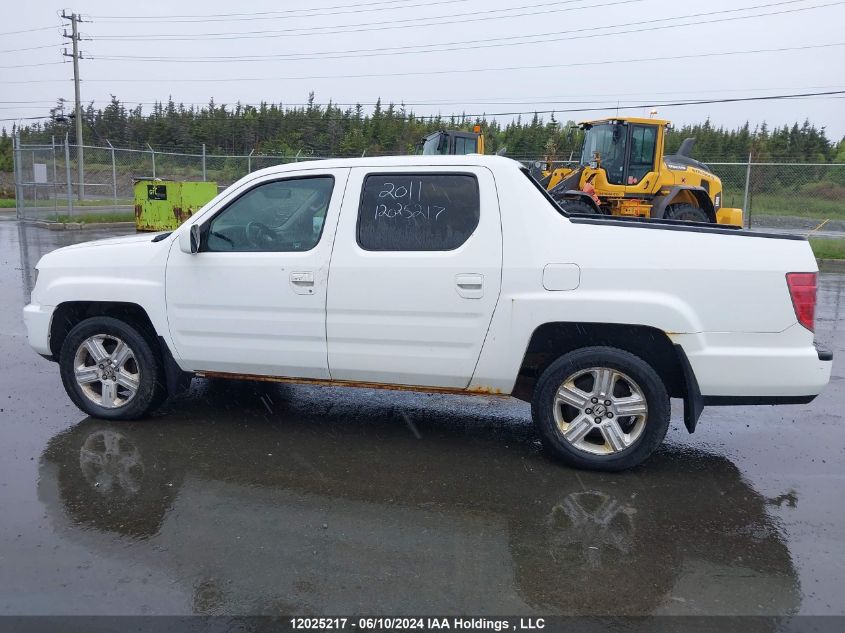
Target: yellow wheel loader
x,y
622,171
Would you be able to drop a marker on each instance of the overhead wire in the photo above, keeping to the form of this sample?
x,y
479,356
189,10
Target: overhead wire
x,y
40,28
29,48
488,43
617,106
260,15
546,100
410,73
416,22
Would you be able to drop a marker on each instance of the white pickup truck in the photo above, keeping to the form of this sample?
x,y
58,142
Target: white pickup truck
x,y
454,274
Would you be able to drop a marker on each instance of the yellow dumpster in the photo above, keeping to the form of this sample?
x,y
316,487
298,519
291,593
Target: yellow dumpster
x,y
162,205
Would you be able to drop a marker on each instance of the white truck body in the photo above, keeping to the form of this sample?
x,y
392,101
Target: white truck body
x,y
459,319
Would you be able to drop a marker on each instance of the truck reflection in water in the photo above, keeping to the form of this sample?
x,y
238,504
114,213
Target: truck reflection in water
x,y
261,499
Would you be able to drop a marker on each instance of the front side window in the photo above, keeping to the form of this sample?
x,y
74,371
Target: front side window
x,y
280,216
417,212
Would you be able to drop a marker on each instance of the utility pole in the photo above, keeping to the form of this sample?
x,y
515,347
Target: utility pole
x,y
74,37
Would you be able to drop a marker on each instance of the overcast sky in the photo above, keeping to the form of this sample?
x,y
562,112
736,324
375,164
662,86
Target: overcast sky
x,y
512,56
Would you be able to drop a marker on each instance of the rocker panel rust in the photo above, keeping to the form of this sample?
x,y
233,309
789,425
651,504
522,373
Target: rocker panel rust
x,y
478,390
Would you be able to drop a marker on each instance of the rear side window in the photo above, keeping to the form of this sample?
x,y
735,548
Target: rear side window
x,y
417,212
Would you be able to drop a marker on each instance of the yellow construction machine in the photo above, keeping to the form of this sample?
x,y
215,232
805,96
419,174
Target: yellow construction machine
x,y
622,171
453,142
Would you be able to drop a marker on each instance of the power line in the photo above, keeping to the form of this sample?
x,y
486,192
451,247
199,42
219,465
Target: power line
x,y
27,118
30,48
535,100
545,100
32,65
488,43
259,15
443,72
40,28
680,103
273,33
472,16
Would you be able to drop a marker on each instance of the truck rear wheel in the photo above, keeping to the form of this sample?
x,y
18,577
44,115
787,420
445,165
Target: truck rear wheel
x,y
601,408
110,370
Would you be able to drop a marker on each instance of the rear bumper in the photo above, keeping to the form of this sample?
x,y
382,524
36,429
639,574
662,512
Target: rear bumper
x,y
781,368
37,319
824,353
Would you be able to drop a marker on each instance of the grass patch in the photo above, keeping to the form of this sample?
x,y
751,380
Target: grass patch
x,y
808,207
96,218
828,248
789,204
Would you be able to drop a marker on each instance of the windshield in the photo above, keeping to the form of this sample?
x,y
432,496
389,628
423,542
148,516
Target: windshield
x,y
431,144
609,140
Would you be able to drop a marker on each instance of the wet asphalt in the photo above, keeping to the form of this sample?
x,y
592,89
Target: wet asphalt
x,y
245,498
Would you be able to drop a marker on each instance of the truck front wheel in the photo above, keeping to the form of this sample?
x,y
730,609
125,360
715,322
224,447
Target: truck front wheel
x,y
601,408
686,212
110,370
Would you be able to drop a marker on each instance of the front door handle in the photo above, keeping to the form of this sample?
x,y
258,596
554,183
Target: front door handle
x,y
302,282
470,286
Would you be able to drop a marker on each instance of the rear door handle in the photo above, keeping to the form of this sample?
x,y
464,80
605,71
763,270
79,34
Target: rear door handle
x,y
470,286
302,282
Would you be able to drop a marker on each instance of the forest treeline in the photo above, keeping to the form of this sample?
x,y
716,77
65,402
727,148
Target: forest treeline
x,y
329,130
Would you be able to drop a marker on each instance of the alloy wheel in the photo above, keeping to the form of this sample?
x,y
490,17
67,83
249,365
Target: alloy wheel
x,y
600,410
106,370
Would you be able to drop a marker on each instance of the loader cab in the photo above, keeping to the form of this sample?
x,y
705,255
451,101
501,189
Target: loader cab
x,y
625,151
452,143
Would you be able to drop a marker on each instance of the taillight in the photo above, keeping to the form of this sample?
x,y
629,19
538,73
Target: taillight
x,y
802,289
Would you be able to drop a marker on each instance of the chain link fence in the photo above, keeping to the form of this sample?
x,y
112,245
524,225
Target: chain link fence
x,y
50,185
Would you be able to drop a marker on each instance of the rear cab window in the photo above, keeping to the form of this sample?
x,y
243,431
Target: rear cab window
x,y
417,211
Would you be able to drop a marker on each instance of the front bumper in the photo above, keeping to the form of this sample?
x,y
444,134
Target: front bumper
x,y
37,319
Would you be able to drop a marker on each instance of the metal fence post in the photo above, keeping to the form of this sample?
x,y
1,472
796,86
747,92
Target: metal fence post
x,y
204,178
745,207
153,154
55,179
113,175
16,166
249,162
67,174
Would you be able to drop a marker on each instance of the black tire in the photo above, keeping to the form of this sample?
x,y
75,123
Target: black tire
x,y
576,206
651,427
151,387
686,212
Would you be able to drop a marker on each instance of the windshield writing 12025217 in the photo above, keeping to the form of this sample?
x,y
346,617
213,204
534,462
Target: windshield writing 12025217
x,y
406,202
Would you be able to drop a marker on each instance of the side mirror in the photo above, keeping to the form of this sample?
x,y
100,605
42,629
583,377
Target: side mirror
x,y
189,241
